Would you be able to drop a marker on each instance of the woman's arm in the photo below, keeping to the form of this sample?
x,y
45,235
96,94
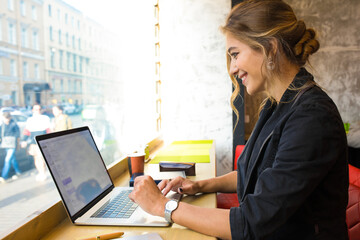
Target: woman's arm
x,y
226,183
210,221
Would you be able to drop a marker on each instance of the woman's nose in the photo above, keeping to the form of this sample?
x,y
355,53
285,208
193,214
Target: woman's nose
x,y
233,68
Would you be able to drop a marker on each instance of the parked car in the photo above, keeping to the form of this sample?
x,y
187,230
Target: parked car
x,y
69,108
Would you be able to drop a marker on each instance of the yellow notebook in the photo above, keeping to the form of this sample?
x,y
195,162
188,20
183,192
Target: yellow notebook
x,y
196,151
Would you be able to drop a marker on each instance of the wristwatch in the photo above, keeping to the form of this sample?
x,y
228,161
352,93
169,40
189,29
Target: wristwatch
x,y
170,206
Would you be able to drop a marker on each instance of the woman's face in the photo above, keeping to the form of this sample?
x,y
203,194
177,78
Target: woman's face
x,y
6,120
246,64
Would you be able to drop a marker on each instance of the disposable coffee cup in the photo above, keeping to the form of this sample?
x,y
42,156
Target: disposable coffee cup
x,y
136,163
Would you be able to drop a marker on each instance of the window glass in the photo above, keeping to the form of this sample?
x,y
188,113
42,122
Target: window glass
x,y
24,41
35,40
51,33
59,36
33,12
13,68
36,71
25,70
101,76
22,8
0,28
11,5
12,32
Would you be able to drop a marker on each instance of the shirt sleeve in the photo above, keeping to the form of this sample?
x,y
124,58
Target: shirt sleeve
x,y
311,141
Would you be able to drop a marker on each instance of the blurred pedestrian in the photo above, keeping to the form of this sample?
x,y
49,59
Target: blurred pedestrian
x,y
36,125
61,120
10,134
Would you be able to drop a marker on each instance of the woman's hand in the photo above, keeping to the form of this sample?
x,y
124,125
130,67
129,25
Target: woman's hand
x,y
180,185
148,196
23,144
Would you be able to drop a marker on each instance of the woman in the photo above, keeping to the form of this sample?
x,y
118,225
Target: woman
x,y
292,176
10,134
61,120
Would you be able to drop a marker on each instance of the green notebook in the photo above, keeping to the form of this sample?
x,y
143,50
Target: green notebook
x,y
196,151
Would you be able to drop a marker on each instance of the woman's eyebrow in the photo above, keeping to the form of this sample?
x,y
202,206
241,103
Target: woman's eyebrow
x,y
230,49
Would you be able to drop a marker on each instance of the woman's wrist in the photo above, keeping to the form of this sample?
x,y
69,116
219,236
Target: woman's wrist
x,y
204,186
160,210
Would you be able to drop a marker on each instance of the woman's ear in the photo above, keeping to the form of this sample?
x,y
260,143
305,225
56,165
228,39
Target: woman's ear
x,y
273,47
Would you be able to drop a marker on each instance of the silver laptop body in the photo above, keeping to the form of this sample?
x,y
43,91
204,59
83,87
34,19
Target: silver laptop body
x,y
83,181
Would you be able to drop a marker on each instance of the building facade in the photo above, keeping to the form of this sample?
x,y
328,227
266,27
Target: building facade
x,y
21,53
78,65
50,53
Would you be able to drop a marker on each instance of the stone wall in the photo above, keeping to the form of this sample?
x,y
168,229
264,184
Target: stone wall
x,y
337,64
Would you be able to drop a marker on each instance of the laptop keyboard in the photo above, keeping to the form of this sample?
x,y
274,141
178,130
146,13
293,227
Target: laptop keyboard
x,y
119,207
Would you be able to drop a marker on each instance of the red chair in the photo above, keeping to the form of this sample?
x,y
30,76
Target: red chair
x,y
353,207
228,200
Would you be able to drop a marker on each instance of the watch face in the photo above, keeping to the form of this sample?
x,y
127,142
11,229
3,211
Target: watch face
x,y
171,205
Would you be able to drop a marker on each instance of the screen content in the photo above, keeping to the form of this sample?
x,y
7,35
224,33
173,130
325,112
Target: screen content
x,y
77,168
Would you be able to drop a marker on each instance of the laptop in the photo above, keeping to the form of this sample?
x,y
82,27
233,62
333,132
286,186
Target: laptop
x,y
84,183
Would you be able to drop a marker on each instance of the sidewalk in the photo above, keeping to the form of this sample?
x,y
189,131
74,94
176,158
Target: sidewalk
x,y
21,197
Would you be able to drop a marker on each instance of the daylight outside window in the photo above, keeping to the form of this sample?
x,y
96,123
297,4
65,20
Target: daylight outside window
x,y
96,67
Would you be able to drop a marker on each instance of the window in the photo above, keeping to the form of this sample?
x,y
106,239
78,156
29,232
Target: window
x,y
60,41
24,39
83,73
74,87
67,39
80,64
13,68
61,59
12,33
11,5
53,86
51,33
36,71
73,41
68,61
50,10
52,57
0,29
35,40
61,85
22,8
33,12
25,70
74,62
1,67
69,86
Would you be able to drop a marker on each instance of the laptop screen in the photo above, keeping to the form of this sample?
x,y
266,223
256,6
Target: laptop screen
x,y
76,166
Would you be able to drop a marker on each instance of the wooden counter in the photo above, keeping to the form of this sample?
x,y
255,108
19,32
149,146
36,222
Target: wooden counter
x,y
67,230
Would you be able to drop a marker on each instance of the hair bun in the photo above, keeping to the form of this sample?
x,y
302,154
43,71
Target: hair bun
x,y
306,46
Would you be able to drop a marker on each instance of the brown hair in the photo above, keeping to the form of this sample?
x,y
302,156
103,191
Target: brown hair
x,y
260,24
7,115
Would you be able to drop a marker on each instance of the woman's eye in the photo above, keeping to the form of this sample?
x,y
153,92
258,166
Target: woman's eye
x,y
234,55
